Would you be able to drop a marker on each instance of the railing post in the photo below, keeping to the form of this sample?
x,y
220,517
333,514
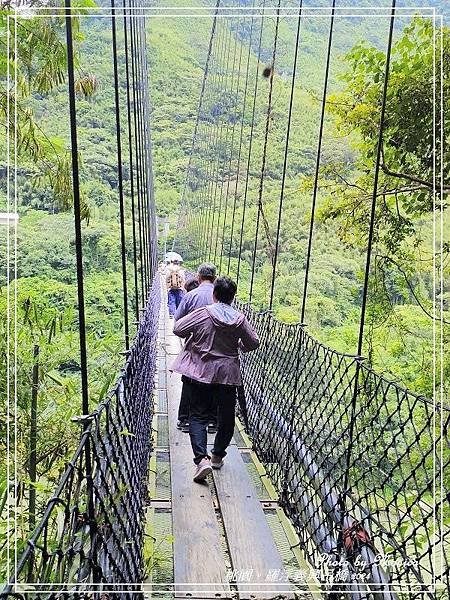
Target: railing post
x,y
80,281
33,439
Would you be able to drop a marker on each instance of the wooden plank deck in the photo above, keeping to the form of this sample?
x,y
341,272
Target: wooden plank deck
x,y
199,566
254,554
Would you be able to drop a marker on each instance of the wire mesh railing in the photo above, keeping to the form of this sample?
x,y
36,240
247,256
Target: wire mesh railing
x,y
382,536
90,538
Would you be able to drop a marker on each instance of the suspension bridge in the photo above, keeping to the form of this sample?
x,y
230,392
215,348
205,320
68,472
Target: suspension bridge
x,y
332,466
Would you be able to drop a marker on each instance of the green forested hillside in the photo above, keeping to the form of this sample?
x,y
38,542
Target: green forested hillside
x,y
399,333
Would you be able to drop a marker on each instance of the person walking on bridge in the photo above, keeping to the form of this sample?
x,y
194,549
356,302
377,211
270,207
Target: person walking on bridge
x,y
210,360
175,280
196,298
200,296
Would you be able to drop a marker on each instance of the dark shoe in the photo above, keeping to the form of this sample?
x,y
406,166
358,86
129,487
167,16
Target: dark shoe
x,y
212,428
216,461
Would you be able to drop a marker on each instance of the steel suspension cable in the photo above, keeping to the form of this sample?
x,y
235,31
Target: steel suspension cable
x,y
142,161
250,147
212,196
223,79
236,99
285,160
204,147
144,149
213,138
378,156
291,412
148,172
208,140
80,276
200,171
318,157
224,148
77,211
197,121
264,154
200,178
223,145
201,203
137,153
230,154
123,249
151,196
141,147
241,138
202,183
205,165
130,157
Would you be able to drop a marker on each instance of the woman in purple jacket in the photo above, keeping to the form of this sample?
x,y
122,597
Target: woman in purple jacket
x,y
210,360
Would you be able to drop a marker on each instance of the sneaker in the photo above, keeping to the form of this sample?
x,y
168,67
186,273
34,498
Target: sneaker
x,y
216,461
212,428
203,470
183,426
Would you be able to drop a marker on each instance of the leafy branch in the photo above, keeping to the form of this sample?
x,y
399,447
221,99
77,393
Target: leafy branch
x,y
400,269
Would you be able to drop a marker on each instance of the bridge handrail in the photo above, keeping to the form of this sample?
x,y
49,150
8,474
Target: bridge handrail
x,y
246,306
89,541
312,384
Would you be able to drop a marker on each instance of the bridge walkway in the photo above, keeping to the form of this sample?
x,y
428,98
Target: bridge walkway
x,y
226,538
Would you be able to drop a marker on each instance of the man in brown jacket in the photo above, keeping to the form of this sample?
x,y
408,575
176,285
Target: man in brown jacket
x,y
210,361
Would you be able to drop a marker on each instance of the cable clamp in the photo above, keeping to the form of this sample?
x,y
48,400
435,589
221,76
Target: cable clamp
x,y
82,418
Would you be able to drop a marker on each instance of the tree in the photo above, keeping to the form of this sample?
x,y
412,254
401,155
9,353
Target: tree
x,y
410,167
406,187
33,63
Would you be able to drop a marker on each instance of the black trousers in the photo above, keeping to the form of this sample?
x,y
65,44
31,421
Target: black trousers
x,y
183,410
185,401
206,399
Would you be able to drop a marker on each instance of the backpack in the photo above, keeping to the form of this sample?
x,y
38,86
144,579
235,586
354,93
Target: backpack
x,y
175,280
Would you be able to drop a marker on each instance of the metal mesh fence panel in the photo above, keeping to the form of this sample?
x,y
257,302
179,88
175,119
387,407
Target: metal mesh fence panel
x,y
91,534
383,534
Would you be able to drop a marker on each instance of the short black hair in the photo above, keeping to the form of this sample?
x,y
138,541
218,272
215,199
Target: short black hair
x,y
225,290
191,285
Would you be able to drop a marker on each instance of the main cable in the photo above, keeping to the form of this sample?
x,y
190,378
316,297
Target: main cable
x,y
123,249
318,157
285,160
